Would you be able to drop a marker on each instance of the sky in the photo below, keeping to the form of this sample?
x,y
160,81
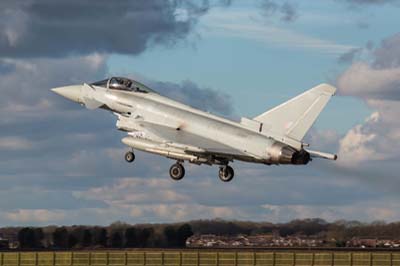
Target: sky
x,y
62,164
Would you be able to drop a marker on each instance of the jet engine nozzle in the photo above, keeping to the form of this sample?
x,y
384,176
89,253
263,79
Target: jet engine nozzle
x,y
301,157
281,153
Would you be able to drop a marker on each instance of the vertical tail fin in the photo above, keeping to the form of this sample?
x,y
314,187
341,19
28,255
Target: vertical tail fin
x,y
296,116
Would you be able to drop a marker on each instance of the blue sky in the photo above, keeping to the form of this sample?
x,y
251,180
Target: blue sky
x,y
264,61
63,164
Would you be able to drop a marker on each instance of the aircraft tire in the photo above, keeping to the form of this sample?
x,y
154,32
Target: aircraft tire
x,y
129,156
226,173
177,171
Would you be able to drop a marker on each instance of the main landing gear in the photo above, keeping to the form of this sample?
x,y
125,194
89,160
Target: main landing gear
x,y
177,171
226,173
129,156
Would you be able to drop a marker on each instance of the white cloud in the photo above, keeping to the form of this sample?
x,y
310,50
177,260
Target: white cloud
x,y
377,82
131,191
15,143
249,25
354,146
365,211
35,215
376,139
364,81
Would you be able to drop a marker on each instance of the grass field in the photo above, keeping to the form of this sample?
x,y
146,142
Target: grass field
x,y
200,258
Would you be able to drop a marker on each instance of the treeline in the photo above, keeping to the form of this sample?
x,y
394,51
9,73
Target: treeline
x,y
121,235
307,227
222,227
117,235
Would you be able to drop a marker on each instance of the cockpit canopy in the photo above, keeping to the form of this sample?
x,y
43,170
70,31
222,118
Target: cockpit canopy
x,y
124,84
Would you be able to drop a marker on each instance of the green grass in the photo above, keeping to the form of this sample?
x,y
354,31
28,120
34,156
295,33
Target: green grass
x,y
199,258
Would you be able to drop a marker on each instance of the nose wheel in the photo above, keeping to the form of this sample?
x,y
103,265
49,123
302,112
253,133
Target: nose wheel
x,y
226,173
177,171
129,156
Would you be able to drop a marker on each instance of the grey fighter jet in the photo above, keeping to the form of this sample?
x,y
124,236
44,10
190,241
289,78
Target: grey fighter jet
x,y
160,125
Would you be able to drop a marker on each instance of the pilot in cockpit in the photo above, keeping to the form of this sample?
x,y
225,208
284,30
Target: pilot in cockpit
x,y
116,83
119,83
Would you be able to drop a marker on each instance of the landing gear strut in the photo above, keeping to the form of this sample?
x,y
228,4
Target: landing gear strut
x,y
226,173
177,171
129,156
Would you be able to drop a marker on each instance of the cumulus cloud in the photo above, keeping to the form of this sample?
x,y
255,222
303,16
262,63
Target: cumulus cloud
x,y
379,70
206,99
388,54
14,143
349,56
287,10
356,144
377,81
36,216
27,87
165,200
364,81
62,149
367,210
53,146
378,78
376,138
47,28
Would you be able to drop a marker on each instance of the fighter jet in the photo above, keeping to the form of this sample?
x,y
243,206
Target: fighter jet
x,y
163,126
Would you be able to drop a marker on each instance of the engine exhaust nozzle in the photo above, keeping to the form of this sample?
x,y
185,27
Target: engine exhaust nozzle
x,y
281,153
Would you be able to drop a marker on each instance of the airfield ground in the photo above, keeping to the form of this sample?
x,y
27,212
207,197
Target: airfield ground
x,y
201,258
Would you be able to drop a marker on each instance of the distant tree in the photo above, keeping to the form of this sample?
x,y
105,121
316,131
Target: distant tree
x,y
39,235
26,238
156,240
170,235
60,237
131,239
72,240
30,237
143,236
182,234
75,237
286,231
340,243
100,237
86,238
116,240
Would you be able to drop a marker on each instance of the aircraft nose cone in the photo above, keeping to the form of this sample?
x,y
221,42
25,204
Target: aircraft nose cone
x,y
72,93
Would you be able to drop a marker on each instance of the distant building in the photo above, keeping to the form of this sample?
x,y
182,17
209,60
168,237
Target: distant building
x,y
266,240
